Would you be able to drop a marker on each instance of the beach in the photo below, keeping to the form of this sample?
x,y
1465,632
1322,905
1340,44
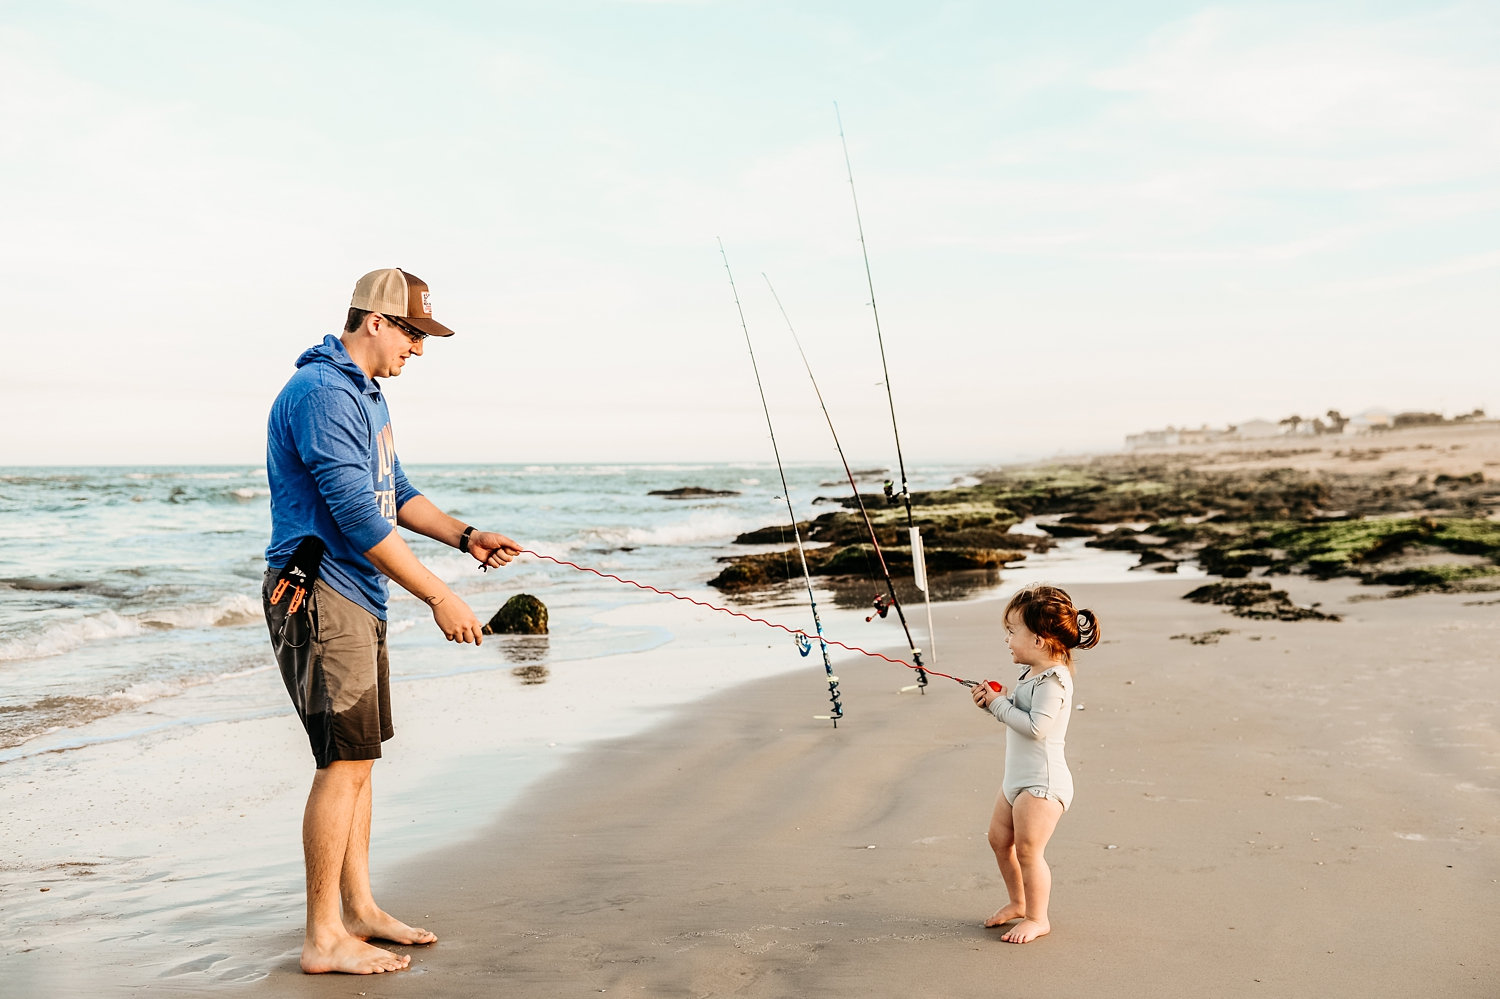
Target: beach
x,y
1263,808
1300,809
1293,811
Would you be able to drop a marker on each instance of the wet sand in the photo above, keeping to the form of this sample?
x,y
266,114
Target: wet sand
x,y
1297,809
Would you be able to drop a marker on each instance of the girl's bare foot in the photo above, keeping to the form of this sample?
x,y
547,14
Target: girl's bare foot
x,y
1026,931
381,925
350,956
1011,910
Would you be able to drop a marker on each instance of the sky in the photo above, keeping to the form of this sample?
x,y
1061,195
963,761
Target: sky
x,y
1083,219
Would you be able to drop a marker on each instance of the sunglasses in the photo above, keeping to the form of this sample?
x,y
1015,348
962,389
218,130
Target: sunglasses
x,y
414,335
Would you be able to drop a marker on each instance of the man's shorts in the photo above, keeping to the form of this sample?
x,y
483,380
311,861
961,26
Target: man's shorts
x,y
333,661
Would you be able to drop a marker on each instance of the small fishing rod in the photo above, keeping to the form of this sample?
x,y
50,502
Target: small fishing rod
x,y
833,681
918,559
916,653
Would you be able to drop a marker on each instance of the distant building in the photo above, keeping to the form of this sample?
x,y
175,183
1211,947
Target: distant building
x,y
1174,436
1370,419
1294,426
1257,429
1203,435
1153,438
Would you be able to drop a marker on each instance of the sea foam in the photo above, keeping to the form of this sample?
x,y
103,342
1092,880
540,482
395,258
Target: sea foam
x,y
65,636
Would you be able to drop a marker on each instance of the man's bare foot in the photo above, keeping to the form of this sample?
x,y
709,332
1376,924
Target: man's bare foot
x,y
350,956
381,925
1026,931
1011,910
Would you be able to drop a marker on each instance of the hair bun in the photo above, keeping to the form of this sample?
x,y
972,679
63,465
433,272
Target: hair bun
x,y
1088,629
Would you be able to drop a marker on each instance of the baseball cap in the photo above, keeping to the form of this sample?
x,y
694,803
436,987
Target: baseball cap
x,y
393,292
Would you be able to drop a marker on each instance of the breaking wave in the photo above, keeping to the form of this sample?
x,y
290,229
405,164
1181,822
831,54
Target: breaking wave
x,y
699,529
103,626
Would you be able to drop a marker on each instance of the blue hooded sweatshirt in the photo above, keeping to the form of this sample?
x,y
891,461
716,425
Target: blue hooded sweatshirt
x,y
331,461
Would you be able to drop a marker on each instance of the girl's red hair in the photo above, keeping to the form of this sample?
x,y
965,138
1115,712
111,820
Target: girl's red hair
x,y
1049,612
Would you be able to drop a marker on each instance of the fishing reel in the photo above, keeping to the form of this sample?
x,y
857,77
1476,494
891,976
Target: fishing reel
x,y
882,605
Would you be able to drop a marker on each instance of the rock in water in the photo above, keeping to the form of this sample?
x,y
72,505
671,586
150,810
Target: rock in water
x,y
691,492
523,614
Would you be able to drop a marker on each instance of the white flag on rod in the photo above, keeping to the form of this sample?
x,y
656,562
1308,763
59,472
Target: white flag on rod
x,y
918,560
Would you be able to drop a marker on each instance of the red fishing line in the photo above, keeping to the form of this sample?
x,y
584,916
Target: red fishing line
x,y
747,617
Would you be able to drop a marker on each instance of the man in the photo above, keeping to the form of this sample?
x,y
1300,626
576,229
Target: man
x,y
334,477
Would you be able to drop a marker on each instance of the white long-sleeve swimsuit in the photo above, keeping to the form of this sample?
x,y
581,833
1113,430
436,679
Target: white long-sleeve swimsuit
x,y
1036,721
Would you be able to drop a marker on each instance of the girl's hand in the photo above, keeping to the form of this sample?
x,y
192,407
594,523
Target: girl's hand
x,y
985,692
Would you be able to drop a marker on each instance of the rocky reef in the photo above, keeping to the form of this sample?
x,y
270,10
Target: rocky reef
x,y
960,531
1256,601
1253,516
692,492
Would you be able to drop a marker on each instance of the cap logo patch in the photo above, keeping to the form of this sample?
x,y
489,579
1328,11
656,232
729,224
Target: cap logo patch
x,y
427,302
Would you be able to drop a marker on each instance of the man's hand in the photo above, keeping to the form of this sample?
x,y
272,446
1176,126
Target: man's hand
x,y
491,549
488,548
392,557
456,620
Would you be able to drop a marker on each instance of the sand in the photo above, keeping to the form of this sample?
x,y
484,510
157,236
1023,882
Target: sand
x,y
1444,449
1299,809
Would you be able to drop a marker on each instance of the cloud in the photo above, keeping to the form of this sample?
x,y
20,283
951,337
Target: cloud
x,y
1287,72
1234,187
1238,134
1476,263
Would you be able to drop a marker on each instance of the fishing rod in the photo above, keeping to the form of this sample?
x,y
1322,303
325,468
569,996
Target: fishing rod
x,y
786,492
918,559
916,653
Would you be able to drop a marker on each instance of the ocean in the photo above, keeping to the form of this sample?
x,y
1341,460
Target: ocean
x,y
125,589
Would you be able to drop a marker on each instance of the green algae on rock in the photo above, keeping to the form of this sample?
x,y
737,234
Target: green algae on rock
x,y
522,614
1398,551
749,572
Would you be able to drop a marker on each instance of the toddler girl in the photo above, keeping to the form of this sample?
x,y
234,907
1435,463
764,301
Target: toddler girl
x,y
1041,629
